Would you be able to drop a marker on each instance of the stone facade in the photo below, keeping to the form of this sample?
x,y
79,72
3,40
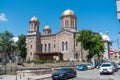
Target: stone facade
x,y
63,41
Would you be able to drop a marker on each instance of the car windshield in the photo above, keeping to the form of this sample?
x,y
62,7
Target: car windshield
x,y
89,64
81,65
118,63
105,65
63,69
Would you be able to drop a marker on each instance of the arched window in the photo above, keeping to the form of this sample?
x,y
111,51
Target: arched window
x,y
31,46
72,23
41,48
30,53
49,47
45,47
66,22
66,44
32,26
62,46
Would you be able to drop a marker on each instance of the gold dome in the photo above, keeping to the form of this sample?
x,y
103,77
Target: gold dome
x,y
47,27
68,12
34,19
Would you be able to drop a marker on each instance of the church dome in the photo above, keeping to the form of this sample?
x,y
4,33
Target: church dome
x,y
47,27
34,19
68,12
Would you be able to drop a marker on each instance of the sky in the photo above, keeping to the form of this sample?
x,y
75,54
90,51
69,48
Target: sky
x,y
96,15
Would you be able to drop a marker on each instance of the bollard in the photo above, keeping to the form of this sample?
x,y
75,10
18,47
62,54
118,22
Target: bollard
x,y
23,74
11,70
20,76
16,77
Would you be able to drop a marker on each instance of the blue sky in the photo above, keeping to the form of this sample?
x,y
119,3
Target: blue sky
x,y
96,15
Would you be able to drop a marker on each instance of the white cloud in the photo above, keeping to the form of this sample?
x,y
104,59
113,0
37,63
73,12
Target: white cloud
x,y
3,17
15,39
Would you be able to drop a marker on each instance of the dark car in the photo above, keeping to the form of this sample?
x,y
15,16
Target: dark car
x,y
115,66
118,65
64,73
82,67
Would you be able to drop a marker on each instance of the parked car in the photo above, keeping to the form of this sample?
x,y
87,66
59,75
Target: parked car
x,y
90,66
115,66
106,68
64,73
118,65
82,67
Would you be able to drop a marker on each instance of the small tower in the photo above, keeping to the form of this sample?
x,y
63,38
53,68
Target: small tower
x,y
68,20
34,24
33,39
47,30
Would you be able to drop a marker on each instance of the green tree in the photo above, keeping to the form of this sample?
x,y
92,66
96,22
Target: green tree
x,y
98,47
86,39
21,46
90,41
7,44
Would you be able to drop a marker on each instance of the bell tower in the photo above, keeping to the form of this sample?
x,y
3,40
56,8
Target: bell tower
x,y
69,20
34,24
33,39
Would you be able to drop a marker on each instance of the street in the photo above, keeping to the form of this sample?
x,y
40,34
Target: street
x,y
81,75
94,75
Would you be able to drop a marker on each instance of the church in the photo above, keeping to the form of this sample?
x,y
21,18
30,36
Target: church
x,y
59,46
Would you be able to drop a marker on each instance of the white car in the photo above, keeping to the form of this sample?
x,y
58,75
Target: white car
x,y
106,68
90,66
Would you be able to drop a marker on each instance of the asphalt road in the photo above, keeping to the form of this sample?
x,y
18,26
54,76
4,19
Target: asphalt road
x,y
81,75
94,75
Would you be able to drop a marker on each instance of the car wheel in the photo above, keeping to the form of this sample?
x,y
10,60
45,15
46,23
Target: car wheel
x,y
100,73
65,78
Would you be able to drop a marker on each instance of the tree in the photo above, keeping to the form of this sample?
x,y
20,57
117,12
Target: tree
x,y
98,47
7,44
86,39
90,41
21,46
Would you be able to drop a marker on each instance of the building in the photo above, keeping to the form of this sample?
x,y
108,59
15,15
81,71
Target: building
x,y
58,46
118,9
63,42
107,44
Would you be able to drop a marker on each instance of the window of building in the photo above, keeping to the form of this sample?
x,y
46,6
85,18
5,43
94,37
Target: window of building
x,y
62,46
66,22
54,46
31,46
49,47
32,26
72,23
41,48
66,44
45,47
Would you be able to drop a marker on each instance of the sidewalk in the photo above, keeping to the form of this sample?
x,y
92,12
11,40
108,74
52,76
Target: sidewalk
x,y
14,77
